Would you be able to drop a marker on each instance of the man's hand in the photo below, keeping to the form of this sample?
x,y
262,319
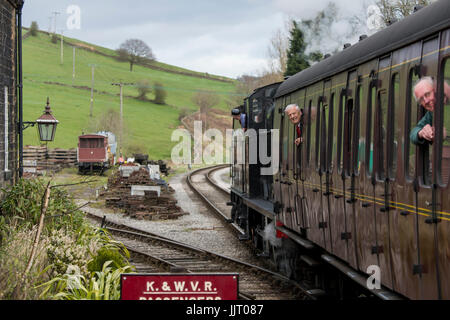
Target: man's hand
x,y
427,133
298,141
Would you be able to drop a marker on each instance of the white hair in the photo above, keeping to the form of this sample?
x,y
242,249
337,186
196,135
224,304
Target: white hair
x,y
293,105
426,79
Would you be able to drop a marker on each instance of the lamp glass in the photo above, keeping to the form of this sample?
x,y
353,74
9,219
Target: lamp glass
x,y
46,131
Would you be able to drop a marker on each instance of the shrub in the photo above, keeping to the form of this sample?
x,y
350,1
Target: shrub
x,y
34,28
143,87
65,251
54,38
107,254
22,202
160,93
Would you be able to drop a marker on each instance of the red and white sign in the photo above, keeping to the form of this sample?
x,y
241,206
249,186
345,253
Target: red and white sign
x,y
179,286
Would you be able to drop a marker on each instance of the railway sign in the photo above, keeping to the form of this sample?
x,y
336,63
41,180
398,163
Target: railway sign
x,y
192,286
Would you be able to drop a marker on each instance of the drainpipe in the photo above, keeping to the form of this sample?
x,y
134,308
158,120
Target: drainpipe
x,y
20,84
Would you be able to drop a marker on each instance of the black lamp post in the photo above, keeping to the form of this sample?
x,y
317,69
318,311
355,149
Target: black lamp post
x,y
46,127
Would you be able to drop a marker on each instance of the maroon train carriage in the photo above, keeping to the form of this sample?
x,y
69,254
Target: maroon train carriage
x,y
357,195
93,154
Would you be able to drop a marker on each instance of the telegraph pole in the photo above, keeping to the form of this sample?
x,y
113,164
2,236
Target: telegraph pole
x,y
92,88
121,84
55,13
73,65
62,47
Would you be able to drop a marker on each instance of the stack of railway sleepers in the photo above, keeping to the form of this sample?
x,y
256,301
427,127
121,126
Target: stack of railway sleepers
x,y
150,205
37,159
63,157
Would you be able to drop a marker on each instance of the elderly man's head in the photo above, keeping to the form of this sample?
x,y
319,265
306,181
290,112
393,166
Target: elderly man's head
x,y
424,93
293,112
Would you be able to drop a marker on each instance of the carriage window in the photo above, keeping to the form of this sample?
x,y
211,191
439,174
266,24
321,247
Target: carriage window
x,y
308,125
357,142
318,132
396,137
444,159
348,132
370,129
323,138
331,151
382,132
340,162
411,113
91,142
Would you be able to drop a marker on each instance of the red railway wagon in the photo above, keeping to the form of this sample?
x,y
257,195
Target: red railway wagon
x,y
93,154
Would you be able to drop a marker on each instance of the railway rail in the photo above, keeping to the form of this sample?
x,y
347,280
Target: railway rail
x,y
200,182
152,253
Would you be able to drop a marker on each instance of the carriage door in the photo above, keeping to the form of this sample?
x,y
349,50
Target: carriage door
x,y
282,181
427,191
349,156
324,109
443,165
381,247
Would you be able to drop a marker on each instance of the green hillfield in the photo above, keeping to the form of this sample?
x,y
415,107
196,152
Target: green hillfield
x,y
147,125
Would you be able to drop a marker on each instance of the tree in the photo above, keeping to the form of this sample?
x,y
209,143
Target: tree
x,y
108,120
160,93
297,60
135,51
393,10
143,87
277,51
205,100
54,38
34,28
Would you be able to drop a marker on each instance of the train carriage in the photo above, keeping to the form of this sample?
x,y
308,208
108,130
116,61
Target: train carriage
x,y
357,188
94,153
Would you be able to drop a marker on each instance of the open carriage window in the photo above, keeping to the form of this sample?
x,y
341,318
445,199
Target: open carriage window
x,y
411,121
444,144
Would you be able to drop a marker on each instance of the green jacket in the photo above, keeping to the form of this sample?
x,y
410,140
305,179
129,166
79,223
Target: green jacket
x,y
426,119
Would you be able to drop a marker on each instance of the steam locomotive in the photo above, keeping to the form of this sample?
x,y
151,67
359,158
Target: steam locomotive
x,y
356,198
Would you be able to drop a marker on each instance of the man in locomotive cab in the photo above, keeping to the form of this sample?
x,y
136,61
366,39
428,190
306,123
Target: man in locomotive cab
x,y
425,94
294,113
239,114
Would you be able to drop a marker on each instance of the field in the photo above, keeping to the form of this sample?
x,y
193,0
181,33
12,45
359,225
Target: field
x,y
147,126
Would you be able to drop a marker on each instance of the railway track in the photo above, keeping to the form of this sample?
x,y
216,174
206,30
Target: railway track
x,y
202,184
152,253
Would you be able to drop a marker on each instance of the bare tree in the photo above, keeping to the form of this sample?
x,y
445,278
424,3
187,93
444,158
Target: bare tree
x,y
277,52
393,10
108,120
135,51
205,100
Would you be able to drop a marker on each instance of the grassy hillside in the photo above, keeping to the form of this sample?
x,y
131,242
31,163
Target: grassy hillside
x,y
147,124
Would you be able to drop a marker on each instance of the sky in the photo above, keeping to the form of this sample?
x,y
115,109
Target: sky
x,y
222,37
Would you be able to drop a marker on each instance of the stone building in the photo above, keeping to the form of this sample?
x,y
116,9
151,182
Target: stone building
x,y
10,88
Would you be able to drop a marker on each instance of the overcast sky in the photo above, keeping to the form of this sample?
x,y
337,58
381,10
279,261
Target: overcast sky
x,y
222,37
